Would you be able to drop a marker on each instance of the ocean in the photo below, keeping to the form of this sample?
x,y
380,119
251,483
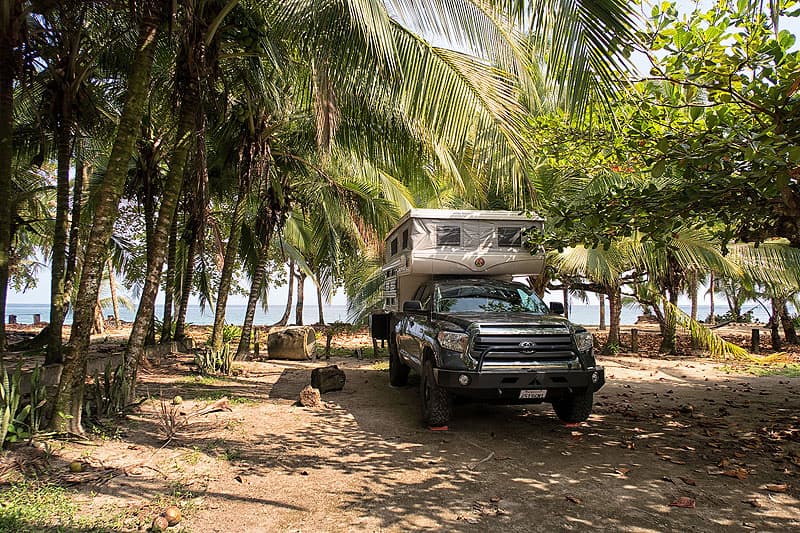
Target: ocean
x,y
580,313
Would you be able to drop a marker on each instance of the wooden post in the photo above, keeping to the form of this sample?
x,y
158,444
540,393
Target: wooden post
x,y
374,347
256,347
12,319
37,318
755,340
634,340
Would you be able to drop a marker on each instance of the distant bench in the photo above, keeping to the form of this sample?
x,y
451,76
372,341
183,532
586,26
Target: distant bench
x,y
37,318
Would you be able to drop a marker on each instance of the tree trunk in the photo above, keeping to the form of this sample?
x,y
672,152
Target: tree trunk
x,y
289,298
186,286
169,202
615,311
789,331
68,404
255,292
713,318
231,252
81,182
321,321
668,326
602,299
9,40
169,283
149,230
112,287
565,293
59,253
99,325
298,310
693,294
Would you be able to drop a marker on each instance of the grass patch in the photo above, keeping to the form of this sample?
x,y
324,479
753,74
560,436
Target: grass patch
x,y
33,506
382,366
790,370
201,380
212,396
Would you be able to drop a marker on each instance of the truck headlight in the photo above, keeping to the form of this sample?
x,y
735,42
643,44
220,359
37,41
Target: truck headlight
x,y
451,340
584,341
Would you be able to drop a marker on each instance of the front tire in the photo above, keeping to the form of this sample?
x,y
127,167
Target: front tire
x,y
398,370
575,407
436,403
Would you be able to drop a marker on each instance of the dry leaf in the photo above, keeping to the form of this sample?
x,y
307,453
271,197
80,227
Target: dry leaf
x,y
754,502
684,502
622,471
688,481
777,487
573,499
494,499
738,473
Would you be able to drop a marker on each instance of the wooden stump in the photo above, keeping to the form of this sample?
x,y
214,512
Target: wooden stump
x,y
327,379
309,397
295,343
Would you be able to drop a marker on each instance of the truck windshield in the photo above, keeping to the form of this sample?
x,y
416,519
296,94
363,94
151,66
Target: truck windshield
x,y
489,298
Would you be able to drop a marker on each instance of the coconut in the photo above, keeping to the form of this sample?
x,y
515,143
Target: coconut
x,y
173,515
76,467
177,400
160,524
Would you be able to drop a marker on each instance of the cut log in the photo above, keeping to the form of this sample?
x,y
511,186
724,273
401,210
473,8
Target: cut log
x,y
327,379
310,397
296,343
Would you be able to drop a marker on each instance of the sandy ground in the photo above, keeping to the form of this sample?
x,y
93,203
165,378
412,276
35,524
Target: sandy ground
x,y
664,431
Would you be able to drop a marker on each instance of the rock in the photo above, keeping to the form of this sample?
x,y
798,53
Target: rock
x,y
310,397
327,379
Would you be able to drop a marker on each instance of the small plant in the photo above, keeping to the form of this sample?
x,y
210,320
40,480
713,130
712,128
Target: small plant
x,y
230,332
38,401
212,361
9,404
107,393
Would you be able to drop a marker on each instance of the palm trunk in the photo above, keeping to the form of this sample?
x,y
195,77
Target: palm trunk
x,y
186,286
712,318
255,292
693,294
99,323
774,323
58,267
68,404
289,298
79,184
112,287
602,299
789,331
9,38
319,305
149,231
169,202
668,326
615,310
231,252
169,283
301,285
565,292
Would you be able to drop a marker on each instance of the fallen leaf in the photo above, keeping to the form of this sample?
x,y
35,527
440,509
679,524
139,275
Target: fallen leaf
x,y
622,471
739,473
688,481
494,499
573,499
667,479
777,487
684,502
754,502
239,479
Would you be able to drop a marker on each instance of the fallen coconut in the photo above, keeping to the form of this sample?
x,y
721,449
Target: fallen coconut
x,y
76,467
172,514
160,524
177,400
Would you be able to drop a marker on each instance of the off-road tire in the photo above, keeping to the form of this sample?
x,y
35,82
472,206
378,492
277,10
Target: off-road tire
x,y
575,407
436,402
398,370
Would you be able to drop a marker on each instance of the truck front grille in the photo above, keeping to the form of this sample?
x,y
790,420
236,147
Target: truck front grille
x,y
523,347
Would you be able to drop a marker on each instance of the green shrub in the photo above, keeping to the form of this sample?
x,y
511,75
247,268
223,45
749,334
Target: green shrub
x,y
211,361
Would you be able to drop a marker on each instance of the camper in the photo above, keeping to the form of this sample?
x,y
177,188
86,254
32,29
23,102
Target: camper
x,y
453,313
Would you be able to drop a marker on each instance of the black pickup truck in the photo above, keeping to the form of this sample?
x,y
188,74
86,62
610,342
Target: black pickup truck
x,y
491,340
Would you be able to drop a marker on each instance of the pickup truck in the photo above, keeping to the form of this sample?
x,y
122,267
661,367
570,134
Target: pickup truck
x,y
491,340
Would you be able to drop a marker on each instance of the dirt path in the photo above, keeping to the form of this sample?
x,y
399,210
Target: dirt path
x,y
662,430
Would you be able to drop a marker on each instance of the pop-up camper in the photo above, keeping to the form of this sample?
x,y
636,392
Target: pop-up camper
x,y
438,242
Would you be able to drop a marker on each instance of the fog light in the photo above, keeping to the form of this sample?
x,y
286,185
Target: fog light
x,y
463,379
595,377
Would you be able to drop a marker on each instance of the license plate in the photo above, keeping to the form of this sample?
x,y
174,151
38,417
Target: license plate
x,y
534,394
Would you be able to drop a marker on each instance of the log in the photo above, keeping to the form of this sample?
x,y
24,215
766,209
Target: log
x,y
296,343
327,379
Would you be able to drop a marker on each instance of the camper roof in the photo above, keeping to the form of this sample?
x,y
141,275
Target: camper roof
x,y
465,214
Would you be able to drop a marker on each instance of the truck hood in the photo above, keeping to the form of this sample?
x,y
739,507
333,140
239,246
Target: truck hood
x,y
505,319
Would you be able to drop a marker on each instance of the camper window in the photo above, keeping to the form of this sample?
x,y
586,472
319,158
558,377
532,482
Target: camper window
x,y
509,236
393,247
448,236
406,244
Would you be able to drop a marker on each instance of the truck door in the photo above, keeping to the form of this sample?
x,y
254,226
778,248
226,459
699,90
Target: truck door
x,y
409,338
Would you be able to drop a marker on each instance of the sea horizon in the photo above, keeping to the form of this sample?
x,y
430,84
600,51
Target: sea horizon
x,y
579,313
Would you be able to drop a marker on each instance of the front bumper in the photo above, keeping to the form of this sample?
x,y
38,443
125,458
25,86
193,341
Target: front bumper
x,y
592,380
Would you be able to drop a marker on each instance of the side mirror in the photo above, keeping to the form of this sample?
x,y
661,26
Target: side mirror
x,y
557,308
411,306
